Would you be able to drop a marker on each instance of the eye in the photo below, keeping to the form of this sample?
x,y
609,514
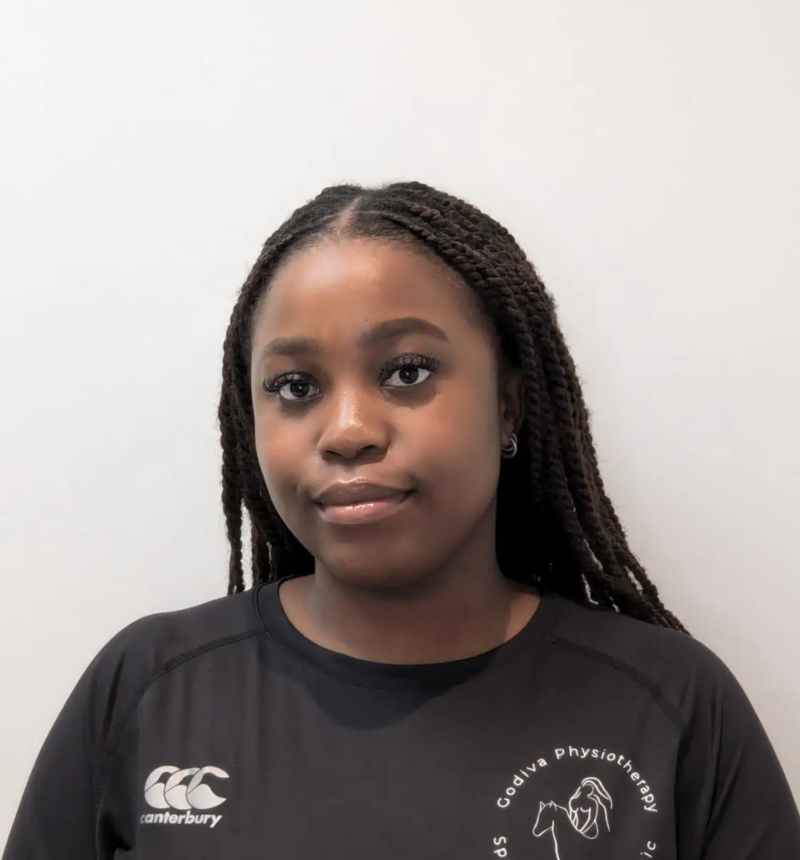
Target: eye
x,y
297,391
291,387
407,376
407,371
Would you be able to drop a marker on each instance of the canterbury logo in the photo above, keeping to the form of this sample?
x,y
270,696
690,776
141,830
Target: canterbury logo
x,y
183,790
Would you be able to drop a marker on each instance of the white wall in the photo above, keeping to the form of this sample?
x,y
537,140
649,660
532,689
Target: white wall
x,y
645,153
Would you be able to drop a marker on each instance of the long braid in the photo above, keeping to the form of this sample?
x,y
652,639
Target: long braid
x,y
604,534
557,528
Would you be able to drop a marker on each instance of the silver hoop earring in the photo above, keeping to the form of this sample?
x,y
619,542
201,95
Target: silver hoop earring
x,y
508,452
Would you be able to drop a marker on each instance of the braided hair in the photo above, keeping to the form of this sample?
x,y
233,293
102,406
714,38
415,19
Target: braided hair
x,y
556,527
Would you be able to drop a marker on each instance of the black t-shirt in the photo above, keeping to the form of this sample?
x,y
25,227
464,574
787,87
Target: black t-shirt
x,y
221,732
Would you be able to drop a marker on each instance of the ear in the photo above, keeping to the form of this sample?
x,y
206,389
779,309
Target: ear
x,y
512,403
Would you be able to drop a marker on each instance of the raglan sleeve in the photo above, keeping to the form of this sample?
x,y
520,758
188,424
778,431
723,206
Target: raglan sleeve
x,y
56,817
733,800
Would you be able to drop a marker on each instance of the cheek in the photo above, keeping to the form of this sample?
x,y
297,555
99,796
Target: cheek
x,y
278,448
461,441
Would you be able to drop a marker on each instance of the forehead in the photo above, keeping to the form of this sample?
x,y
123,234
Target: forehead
x,y
340,285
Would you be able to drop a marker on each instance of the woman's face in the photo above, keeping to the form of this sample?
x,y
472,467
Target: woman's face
x,y
379,411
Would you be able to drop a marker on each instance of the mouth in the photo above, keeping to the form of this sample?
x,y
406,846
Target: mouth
x,y
358,503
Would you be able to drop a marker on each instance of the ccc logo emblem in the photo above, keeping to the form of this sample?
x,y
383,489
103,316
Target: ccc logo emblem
x,y
184,789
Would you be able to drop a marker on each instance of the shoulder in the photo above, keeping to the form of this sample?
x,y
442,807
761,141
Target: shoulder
x,y
679,672
156,640
146,650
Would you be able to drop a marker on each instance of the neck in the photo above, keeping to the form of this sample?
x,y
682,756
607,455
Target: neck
x,y
461,610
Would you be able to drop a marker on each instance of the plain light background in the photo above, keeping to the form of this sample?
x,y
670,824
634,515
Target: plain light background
x,y
644,153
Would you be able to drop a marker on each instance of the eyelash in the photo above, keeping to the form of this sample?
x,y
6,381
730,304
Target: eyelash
x,y
273,384
424,362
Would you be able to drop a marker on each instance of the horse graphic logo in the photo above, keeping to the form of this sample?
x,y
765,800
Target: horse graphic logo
x,y
584,817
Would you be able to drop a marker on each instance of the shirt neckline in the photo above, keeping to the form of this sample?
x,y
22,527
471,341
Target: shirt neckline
x,y
367,673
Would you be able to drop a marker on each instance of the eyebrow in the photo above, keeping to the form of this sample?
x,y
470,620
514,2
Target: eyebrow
x,y
371,336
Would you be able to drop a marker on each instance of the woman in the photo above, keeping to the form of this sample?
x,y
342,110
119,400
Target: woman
x,y
447,631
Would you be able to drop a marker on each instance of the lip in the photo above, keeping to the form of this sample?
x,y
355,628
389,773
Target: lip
x,y
360,502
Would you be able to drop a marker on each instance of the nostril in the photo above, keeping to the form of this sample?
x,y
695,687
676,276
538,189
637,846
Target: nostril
x,y
353,450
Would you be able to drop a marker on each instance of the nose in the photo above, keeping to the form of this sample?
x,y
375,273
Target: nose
x,y
354,427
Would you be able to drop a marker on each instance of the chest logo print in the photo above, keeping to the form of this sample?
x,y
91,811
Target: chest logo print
x,y
563,804
185,790
586,815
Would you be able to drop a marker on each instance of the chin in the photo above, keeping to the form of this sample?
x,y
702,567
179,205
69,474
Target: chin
x,y
367,571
